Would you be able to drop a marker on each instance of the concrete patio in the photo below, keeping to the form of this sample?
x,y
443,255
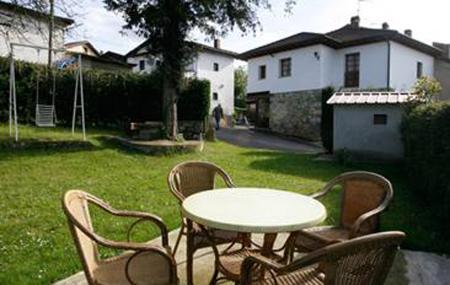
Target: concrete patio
x,y
410,267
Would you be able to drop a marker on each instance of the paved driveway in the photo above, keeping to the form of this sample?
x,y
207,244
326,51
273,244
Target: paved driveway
x,y
242,136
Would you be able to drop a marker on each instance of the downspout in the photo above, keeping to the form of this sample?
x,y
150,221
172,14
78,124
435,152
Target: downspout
x,y
388,79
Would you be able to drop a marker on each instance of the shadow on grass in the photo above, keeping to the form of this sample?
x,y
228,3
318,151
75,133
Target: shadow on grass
x,y
39,147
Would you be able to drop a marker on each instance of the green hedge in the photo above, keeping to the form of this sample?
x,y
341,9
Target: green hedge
x,y
326,124
111,98
426,133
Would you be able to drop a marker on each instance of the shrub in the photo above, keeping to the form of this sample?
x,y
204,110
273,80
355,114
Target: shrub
x,y
426,134
111,98
194,101
427,88
326,127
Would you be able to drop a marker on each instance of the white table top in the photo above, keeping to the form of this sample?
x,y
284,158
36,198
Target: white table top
x,y
253,210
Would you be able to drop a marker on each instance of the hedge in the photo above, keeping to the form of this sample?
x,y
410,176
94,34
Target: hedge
x,y
326,124
111,98
426,134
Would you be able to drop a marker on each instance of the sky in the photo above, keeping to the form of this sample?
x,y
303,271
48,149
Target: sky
x,y
429,20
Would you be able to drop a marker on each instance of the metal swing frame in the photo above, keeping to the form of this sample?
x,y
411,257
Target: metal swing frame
x,y
79,91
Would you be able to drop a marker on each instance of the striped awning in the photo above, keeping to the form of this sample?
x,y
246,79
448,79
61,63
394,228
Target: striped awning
x,y
371,98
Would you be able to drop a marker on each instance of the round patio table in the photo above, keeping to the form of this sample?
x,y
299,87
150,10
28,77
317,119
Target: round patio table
x,y
253,210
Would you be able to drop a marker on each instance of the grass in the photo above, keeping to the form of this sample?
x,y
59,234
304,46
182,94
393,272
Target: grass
x,y
35,245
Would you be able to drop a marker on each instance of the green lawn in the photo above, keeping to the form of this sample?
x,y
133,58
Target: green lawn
x,y
35,245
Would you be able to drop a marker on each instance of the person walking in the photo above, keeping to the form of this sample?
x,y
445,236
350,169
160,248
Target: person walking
x,y
218,115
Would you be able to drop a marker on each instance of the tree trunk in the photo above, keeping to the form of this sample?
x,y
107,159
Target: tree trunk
x,y
51,24
170,109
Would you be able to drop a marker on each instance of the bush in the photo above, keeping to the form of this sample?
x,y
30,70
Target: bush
x,y
111,98
194,101
426,134
326,125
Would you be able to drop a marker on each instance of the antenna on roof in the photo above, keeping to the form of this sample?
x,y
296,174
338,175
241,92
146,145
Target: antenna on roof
x,y
359,6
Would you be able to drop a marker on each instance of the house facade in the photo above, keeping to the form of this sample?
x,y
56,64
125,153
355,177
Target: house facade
x,y
286,77
93,59
211,62
25,26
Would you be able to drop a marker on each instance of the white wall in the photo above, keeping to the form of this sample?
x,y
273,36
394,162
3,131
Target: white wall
x,y
82,48
305,71
150,65
354,130
34,33
310,73
222,81
404,66
373,65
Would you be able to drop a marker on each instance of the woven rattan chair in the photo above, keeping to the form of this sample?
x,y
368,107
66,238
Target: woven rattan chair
x,y
361,261
192,177
141,263
365,195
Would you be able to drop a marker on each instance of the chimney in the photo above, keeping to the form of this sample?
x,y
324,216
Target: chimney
x,y
217,43
385,26
354,21
408,33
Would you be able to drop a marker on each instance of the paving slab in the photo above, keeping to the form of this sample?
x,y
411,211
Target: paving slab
x,y
410,267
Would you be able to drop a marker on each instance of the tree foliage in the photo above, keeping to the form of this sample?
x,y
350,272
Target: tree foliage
x,y
427,88
167,25
240,87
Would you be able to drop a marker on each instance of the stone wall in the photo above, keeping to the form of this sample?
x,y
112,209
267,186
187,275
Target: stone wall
x,y
296,114
442,73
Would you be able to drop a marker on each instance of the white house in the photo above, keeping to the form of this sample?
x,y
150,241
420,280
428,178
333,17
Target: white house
x,y
285,78
26,26
211,62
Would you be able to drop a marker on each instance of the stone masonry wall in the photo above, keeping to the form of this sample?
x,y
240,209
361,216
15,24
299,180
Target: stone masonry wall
x,y
296,114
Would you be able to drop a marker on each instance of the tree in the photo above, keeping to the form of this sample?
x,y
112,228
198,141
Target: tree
x,y
240,87
167,24
427,88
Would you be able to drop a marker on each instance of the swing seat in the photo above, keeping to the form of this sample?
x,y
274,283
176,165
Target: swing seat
x,y
45,115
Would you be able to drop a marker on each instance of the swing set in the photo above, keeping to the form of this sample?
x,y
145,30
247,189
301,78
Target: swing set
x,y
45,114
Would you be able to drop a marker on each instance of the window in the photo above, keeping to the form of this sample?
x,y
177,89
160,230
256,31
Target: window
x,y
141,65
262,72
380,119
216,66
419,71
352,70
151,61
285,67
215,96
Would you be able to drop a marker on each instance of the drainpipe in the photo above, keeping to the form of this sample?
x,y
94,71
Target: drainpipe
x,y
388,79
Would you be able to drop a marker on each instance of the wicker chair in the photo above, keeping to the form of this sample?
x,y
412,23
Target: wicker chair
x,y
361,261
189,178
365,195
141,263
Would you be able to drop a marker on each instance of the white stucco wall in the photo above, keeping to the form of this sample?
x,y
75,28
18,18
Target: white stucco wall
x,y
305,71
308,72
354,130
373,65
222,81
34,33
404,66
150,65
84,49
